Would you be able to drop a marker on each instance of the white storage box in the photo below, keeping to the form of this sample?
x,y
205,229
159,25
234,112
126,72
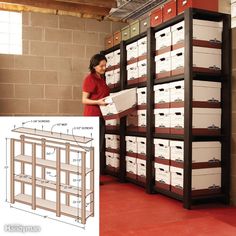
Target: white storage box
x,y
162,95
110,77
112,141
109,158
117,57
141,164
162,175
142,46
132,120
203,91
162,120
177,61
131,144
110,59
206,59
142,118
142,68
116,76
162,150
163,40
113,122
141,145
177,152
131,165
119,104
116,160
132,51
132,71
206,121
207,31
142,95
233,9
163,65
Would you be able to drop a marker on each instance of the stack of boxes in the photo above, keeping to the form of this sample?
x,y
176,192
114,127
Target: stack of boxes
x,y
136,158
113,69
112,144
206,102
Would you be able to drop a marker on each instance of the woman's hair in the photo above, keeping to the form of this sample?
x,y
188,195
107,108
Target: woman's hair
x,y
95,60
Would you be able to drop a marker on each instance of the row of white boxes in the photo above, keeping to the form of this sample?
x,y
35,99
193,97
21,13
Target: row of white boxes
x,y
169,104
112,124
112,161
137,61
113,69
207,39
112,142
206,166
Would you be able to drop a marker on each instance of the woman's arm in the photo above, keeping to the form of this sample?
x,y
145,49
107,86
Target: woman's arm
x,y
86,100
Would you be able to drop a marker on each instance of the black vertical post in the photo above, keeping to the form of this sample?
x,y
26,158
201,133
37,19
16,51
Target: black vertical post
x,y
226,107
150,107
123,77
188,87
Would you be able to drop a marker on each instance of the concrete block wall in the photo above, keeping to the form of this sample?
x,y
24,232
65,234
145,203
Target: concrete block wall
x,y
47,78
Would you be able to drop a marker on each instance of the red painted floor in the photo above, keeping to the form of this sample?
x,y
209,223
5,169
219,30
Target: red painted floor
x,y
125,209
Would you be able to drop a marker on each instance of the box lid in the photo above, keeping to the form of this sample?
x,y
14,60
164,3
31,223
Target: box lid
x,y
161,86
131,138
177,144
142,63
109,154
206,145
165,142
207,111
132,45
178,26
140,161
162,32
140,90
176,170
141,139
177,84
133,65
162,167
208,23
164,55
164,110
177,110
142,112
177,52
200,83
206,50
142,41
128,158
206,171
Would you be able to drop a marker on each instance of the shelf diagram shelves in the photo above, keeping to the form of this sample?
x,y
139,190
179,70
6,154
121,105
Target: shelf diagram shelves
x,y
53,171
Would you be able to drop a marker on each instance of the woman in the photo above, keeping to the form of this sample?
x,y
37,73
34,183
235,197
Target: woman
x,y
94,91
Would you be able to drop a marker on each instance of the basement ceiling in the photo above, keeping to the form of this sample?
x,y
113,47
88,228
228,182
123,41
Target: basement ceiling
x,y
116,10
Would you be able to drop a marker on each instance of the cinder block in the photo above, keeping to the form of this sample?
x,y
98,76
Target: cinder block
x,y
58,92
43,106
71,22
29,91
56,35
43,77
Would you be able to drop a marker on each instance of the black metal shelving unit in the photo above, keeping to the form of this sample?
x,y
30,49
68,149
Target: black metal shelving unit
x,y
188,137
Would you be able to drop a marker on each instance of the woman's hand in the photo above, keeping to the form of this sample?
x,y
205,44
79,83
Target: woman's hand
x,y
101,102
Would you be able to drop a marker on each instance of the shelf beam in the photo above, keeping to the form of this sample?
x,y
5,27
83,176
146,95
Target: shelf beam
x,y
12,170
34,176
58,182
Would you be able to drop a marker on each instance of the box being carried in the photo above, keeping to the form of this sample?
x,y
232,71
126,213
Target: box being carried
x,y
119,104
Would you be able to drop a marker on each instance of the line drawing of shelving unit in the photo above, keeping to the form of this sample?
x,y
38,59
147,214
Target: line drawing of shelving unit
x,y
65,146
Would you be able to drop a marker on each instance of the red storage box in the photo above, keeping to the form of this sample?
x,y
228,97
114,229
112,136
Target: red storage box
x,y
169,10
211,5
156,17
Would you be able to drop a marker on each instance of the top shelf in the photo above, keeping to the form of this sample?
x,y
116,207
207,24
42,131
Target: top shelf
x,y
55,135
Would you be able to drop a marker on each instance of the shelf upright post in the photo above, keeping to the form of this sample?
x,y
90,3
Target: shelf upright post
x,y
150,107
58,177
123,81
188,85
92,181
12,170
67,173
83,188
22,142
226,106
34,176
43,144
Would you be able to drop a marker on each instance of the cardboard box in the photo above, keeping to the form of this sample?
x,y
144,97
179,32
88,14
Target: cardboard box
x,y
117,57
205,34
142,70
233,9
131,146
142,47
206,121
119,104
162,121
131,167
162,176
116,75
162,151
169,10
162,95
141,147
116,160
132,121
205,94
112,141
142,120
109,77
177,153
163,41
109,158
132,52
142,96
141,170
163,65
110,59
177,62
132,73
112,124
156,17
204,181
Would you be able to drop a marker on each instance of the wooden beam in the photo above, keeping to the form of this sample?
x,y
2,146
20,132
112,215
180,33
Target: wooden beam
x,y
99,3
63,6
